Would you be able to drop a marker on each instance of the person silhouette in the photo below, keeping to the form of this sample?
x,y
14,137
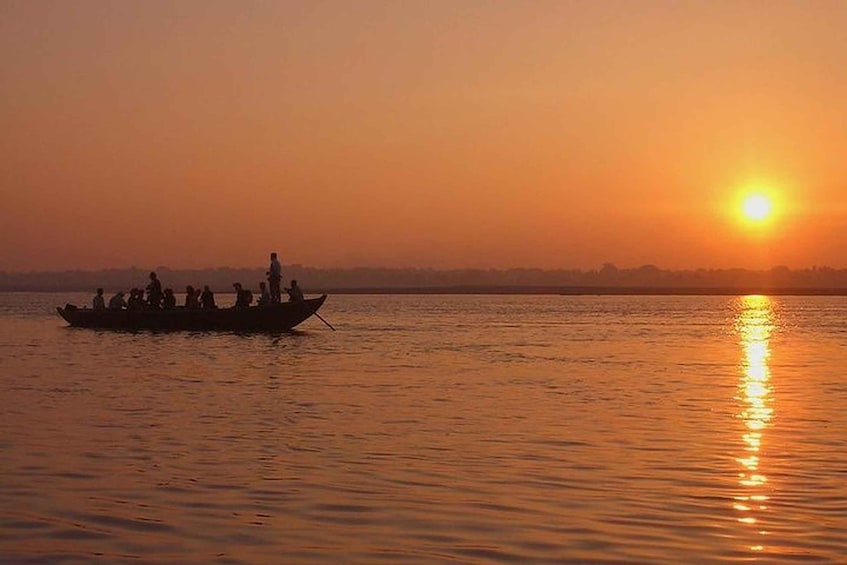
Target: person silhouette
x,y
264,295
243,296
207,298
99,302
117,302
154,291
275,278
295,293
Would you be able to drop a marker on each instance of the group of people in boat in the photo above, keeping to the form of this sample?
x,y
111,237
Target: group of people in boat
x,y
158,298
196,298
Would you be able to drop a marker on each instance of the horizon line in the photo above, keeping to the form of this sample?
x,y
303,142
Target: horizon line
x,y
651,266
537,290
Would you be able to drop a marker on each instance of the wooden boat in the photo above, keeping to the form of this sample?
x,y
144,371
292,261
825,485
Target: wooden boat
x,y
268,318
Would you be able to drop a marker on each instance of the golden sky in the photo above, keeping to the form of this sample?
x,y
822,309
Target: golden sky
x,y
553,134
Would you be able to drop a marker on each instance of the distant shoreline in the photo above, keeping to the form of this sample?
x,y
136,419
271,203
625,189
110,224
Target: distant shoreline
x,y
594,291
535,290
647,280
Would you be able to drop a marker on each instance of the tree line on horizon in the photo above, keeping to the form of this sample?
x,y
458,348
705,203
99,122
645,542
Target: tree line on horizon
x,y
314,279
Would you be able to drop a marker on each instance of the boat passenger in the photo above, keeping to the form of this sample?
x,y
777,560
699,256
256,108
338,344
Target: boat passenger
x,y
154,291
136,299
295,293
207,298
191,301
264,296
243,296
99,303
117,302
275,278
169,300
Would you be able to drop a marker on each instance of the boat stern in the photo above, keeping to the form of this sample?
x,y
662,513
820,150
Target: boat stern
x,y
67,312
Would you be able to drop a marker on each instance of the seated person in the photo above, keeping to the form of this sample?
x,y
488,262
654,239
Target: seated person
x,y
99,303
207,298
117,302
136,299
243,297
265,296
191,301
295,293
169,300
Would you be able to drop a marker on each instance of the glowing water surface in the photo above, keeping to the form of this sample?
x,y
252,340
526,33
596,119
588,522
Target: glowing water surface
x,y
432,429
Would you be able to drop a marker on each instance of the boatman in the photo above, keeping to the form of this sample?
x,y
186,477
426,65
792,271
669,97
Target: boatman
x,y
275,278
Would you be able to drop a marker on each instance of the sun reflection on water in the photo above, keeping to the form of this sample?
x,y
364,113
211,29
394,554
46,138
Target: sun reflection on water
x,y
754,325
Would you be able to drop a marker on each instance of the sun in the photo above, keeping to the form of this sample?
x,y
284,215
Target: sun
x,y
757,208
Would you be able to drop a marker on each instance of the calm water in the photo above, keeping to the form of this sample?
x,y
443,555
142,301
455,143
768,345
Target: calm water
x,y
432,429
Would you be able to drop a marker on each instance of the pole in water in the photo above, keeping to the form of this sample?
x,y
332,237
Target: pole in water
x,y
324,321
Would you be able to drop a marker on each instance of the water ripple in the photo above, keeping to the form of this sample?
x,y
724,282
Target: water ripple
x,y
433,430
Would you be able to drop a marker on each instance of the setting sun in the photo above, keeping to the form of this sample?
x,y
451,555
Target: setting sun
x,y
757,207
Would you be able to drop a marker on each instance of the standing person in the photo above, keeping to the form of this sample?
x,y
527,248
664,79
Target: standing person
x,y
275,278
207,298
154,291
99,303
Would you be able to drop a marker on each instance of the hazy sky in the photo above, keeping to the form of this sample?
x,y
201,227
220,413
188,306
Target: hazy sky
x,y
445,133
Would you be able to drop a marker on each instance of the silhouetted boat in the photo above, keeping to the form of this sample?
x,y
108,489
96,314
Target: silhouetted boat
x,y
273,317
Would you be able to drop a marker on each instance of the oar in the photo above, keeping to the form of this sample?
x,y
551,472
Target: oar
x,y
324,321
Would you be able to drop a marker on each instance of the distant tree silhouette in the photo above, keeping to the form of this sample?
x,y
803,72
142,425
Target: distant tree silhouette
x,y
608,278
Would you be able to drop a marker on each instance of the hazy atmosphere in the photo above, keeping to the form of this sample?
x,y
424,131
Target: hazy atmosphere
x,y
445,135
423,282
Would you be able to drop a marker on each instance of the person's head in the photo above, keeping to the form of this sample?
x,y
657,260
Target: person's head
x,y
189,289
121,293
169,291
206,288
273,255
293,282
152,275
236,286
99,292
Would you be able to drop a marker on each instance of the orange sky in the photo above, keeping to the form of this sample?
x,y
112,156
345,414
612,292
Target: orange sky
x,y
438,134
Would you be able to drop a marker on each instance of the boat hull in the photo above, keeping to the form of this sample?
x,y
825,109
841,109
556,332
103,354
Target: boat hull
x,y
269,318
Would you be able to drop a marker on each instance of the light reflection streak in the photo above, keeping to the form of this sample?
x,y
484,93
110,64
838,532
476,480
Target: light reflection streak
x,y
754,325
